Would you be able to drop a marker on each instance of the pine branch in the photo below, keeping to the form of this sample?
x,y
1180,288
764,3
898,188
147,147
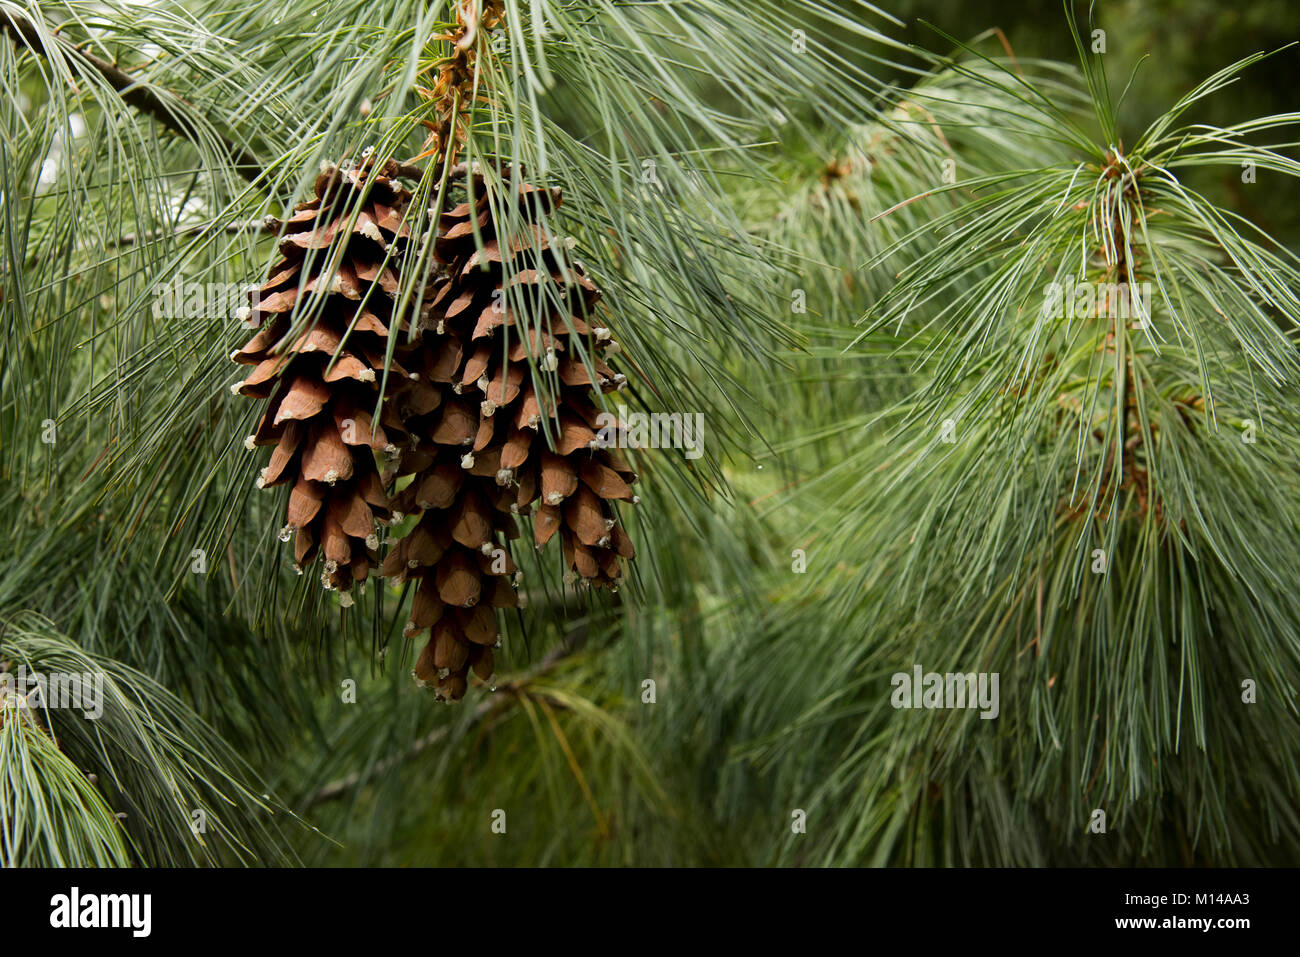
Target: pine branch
x,y
194,229
135,93
487,708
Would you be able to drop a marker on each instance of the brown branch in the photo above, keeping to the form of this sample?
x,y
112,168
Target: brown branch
x,y
193,229
135,93
487,708
411,170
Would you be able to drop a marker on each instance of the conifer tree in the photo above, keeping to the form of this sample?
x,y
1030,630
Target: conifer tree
x,y
998,370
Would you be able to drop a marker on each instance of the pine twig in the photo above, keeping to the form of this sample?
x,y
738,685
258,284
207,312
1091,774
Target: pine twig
x,y
486,709
193,229
134,92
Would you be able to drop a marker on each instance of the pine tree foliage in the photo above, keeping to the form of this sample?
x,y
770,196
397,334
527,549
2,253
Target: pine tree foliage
x,y
144,147
1090,505
133,777
846,278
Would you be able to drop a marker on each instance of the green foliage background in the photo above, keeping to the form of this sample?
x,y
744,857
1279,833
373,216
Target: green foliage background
x,y
820,172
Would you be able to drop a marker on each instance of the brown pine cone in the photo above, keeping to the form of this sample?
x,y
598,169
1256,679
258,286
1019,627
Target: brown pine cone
x,y
483,447
320,360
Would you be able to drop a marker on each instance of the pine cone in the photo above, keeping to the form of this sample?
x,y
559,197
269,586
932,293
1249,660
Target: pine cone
x,y
481,454
320,360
